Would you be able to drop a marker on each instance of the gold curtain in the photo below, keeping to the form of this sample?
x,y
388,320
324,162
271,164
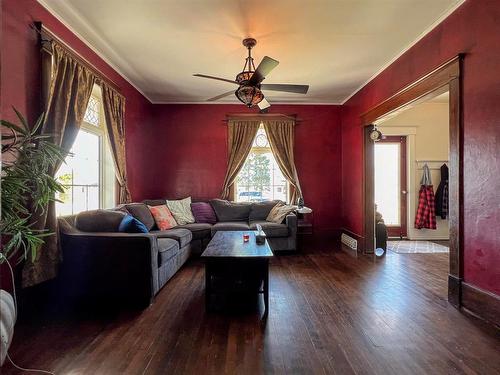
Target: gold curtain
x,y
114,111
70,89
241,134
281,136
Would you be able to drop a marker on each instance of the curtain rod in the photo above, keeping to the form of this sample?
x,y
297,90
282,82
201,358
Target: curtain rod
x,y
261,116
43,31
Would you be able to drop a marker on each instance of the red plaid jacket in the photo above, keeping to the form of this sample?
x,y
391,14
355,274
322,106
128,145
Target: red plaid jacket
x,y
426,215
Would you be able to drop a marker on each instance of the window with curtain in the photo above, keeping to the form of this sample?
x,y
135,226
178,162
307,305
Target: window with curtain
x,y
260,178
88,173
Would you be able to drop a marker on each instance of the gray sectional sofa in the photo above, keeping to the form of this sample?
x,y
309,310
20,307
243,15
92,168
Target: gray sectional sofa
x,y
100,260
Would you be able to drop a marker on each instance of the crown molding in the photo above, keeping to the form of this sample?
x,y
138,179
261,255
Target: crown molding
x,y
441,18
89,29
121,61
239,103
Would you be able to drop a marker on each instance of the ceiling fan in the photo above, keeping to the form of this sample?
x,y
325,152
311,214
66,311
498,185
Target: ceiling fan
x,y
250,81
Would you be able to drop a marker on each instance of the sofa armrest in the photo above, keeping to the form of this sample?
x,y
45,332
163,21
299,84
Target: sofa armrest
x,y
123,265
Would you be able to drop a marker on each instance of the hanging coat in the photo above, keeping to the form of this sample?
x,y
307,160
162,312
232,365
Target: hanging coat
x,y
442,194
425,216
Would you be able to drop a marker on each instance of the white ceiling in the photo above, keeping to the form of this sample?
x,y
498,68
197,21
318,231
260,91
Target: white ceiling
x,y
335,46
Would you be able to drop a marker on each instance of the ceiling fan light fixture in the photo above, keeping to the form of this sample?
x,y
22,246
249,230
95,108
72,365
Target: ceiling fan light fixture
x,y
244,76
249,95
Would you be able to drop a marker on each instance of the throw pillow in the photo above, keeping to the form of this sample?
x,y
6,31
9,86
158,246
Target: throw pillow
x,y
130,224
231,211
181,209
260,210
279,212
163,217
203,213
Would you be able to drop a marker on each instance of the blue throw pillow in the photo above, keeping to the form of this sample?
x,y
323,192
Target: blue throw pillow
x,y
130,224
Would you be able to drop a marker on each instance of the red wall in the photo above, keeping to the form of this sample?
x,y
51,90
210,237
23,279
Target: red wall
x,y
20,73
187,155
473,29
20,78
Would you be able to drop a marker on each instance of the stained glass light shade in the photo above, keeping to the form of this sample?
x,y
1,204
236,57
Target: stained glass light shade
x,y
244,76
249,95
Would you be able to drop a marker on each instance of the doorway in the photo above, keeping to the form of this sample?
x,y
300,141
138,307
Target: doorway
x,y
444,78
390,184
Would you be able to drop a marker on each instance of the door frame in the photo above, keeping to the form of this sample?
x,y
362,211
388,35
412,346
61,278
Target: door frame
x,y
446,76
403,182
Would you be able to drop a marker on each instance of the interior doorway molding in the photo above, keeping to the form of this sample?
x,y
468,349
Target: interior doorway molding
x,y
445,77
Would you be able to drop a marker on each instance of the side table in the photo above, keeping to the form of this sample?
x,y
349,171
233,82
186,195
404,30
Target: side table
x,y
305,225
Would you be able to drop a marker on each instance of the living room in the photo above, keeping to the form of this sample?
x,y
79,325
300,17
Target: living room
x,y
198,165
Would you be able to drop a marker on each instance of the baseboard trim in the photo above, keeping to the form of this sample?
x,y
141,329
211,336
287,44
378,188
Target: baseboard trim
x,y
481,303
454,290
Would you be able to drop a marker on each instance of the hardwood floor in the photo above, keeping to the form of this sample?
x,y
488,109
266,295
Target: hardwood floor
x,y
330,313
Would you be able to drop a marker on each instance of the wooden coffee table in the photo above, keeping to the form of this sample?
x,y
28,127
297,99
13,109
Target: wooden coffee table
x,y
230,263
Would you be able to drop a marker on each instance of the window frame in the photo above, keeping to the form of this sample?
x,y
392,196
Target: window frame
x,y
99,131
106,194
258,150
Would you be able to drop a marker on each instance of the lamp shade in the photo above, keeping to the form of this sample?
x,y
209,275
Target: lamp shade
x,y
249,95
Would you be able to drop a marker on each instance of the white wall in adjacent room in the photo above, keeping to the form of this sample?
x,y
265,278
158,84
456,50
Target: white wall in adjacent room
x,y
427,129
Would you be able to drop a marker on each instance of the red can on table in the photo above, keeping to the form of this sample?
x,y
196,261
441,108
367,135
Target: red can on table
x,y
246,237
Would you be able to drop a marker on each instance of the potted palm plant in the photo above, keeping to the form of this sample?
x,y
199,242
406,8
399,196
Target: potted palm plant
x,y
26,185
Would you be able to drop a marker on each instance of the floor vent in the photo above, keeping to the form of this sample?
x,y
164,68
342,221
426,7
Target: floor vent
x,y
349,241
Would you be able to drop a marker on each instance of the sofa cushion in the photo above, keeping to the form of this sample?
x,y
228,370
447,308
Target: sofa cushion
x,y
141,212
231,211
181,235
198,230
99,220
229,225
167,249
163,217
130,224
271,229
203,212
260,210
181,209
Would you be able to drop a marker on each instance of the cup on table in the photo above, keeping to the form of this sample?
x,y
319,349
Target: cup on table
x,y
246,237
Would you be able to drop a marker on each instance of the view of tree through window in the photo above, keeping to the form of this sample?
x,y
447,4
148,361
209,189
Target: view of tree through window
x,y
260,178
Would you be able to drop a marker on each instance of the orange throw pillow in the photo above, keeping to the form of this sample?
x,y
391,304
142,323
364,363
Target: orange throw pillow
x,y
163,217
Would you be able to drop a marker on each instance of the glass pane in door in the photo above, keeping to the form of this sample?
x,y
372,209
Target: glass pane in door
x,y
387,182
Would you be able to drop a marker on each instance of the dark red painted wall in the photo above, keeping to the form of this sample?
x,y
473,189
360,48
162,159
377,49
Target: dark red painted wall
x,y
187,155
473,29
20,79
20,74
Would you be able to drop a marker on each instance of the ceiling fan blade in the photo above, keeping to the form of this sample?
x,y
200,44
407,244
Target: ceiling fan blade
x,y
220,96
266,65
212,77
298,89
263,104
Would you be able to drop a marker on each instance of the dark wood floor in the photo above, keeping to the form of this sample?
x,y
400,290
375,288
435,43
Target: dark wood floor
x,y
331,313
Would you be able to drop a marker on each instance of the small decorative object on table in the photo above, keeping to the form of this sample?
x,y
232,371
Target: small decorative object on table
x,y
260,236
300,203
246,237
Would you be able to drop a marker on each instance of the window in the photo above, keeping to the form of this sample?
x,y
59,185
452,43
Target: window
x,y
260,178
387,182
88,174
